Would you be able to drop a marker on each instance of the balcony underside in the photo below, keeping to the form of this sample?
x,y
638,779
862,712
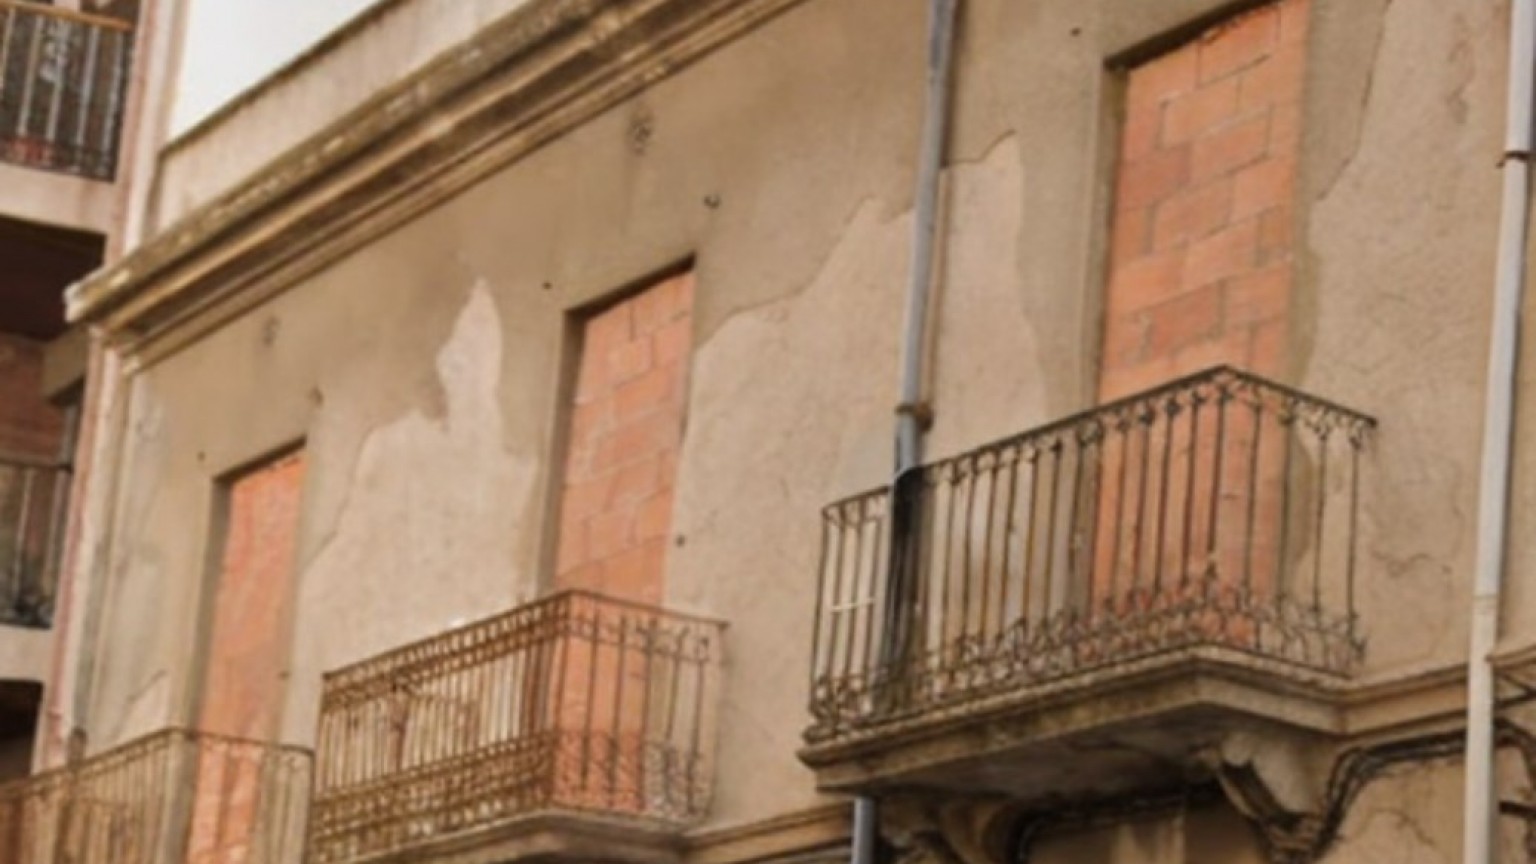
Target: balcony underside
x,y
1142,725
566,836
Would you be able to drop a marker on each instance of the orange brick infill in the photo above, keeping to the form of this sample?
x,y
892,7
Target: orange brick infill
x,y
243,692
1201,239
625,431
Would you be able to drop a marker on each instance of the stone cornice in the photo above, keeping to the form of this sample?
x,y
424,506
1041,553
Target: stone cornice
x,y
521,82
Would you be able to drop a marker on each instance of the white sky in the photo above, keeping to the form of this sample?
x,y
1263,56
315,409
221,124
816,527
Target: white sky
x,y
232,44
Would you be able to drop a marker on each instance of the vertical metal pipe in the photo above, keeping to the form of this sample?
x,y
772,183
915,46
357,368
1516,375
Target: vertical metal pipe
x,y
1498,431
941,39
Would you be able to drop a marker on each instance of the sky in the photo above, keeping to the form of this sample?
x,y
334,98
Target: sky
x,y
232,44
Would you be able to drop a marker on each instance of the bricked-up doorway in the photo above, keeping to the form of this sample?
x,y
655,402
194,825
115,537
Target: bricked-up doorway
x,y
1200,274
252,602
1200,242
626,426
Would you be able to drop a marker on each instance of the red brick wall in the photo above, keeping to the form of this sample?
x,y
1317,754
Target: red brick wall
x,y
247,651
1200,249
29,426
626,428
252,601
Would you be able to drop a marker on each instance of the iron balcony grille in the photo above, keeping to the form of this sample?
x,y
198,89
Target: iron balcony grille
x,y
63,83
168,798
1217,511
575,703
33,509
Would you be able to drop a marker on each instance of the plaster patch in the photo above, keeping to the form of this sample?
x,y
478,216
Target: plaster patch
x,y
983,392
426,535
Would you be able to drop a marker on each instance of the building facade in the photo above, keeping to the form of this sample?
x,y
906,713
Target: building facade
x,y
70,90
490,444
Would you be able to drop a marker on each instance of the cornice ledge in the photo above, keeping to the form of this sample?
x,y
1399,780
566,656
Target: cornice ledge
x,y
521,82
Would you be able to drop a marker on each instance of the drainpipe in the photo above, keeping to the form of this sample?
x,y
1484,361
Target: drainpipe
x,y
912,412
1498,433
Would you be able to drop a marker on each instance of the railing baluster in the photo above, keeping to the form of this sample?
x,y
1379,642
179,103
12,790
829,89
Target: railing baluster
x,y
1196,402
29,85
1165,475
1322,509
1287,430
87,87
1031,514
1010,527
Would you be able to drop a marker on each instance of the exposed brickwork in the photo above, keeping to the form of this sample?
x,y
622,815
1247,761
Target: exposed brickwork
x,y
252,601
1200,274
1200,248
243,691
225,810
626,427
29,426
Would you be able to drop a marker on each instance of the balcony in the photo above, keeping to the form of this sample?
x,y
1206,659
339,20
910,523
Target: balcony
x,y
33,500
1084,610
576,727
172,797
63,85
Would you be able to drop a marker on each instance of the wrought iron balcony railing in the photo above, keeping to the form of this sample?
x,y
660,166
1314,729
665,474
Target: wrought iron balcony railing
x,y
574,703
33,498
1217,512
63,84
169,798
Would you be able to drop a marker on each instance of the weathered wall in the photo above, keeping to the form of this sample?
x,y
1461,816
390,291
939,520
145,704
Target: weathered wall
x,y
423,373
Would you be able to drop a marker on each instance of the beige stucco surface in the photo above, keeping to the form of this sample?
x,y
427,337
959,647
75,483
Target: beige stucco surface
x,y
24,653
423,372
56,199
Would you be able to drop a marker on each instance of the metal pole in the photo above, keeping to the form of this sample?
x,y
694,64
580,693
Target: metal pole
x,y
1498,431
910,413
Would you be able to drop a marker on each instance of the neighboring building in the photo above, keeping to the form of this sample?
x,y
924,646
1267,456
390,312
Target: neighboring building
x,y
490,445
66,76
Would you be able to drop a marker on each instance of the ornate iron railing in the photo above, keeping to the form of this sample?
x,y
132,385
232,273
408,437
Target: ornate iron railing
x,y
169,798
1219,510
575,702
63,83
33,509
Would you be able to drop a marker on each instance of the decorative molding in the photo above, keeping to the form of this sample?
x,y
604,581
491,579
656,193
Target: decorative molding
x,y
776,838
518,84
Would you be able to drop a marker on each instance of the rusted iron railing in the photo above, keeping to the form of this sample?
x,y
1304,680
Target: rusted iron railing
x,y
33,499
1219,510
174,797
63,84
575,702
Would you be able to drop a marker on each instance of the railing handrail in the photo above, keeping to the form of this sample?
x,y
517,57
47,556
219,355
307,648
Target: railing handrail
x,y
1364,421
385,659
90,19
169,735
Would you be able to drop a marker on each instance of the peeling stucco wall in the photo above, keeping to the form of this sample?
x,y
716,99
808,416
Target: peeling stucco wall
x,y
423,372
